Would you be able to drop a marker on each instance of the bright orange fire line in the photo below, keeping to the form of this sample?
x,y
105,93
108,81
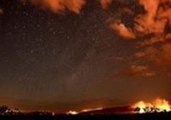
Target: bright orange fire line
x,y
158,105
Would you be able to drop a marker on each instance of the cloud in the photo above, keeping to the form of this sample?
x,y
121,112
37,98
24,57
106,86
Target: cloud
x,y
164,56
152,20
148,22
160,59
149,53
105,3
122,30
150,27
57,6
138,71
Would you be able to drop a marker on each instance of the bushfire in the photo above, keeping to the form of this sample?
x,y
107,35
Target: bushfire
x,y
158,105
71,112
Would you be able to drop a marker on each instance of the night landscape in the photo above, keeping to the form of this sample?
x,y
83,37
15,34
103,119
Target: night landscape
x,y
85,59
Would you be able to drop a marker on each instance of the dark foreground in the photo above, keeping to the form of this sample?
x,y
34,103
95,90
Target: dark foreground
x,y
154,116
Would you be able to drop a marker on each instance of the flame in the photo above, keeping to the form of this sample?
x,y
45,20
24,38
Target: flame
x,y
71,112
91,109
162,104
158,105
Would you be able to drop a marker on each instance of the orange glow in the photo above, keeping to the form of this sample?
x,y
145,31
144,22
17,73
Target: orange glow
x,y
158,105
162,104
72,112
91,109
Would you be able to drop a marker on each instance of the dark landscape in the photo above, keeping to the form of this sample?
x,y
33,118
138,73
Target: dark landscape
x,y
152,116
116,113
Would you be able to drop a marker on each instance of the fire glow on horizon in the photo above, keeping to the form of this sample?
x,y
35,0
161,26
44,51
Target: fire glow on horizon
x,y
72,112
92,109
158,105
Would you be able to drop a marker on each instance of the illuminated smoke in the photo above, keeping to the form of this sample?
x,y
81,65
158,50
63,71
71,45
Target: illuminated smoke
x,y
151,29
123,30
62,5
149,26
57,6
138,70
105,3
153,21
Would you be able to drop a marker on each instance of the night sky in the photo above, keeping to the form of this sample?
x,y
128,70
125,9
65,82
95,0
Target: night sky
x,y
65,54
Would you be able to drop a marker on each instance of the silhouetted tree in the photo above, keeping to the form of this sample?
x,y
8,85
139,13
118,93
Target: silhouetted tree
x,y
137,109
4,109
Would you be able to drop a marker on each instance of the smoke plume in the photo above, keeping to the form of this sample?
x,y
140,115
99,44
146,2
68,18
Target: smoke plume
x,y
57,6
151,29
105,3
